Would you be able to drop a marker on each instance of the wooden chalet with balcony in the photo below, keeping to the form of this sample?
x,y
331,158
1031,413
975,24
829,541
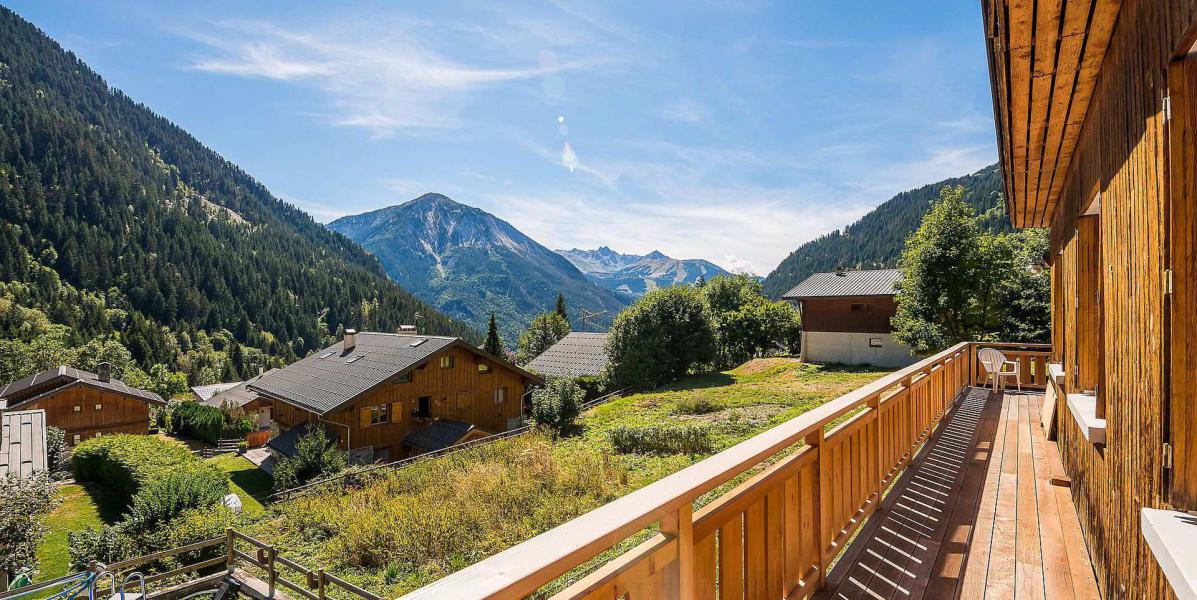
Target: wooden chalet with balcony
x,y
1077,486
84,405
384,396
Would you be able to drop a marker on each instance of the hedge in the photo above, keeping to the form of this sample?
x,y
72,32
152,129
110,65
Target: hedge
x,y
157,478
199,421
659,439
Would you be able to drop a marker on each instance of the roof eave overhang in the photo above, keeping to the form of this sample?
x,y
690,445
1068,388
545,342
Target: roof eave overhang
x,y
1045,60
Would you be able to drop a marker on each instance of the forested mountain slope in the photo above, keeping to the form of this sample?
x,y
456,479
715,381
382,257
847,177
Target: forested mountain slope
x,y
469,263
115,221
876,240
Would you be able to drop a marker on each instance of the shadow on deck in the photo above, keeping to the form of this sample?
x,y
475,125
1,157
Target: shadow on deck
x,y
975,516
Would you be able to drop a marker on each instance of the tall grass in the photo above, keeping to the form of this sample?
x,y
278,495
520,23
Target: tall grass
x,y
438,516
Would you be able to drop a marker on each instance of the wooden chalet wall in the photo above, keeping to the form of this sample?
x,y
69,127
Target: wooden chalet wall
x,y
118,413
1121,153
835,314
460,392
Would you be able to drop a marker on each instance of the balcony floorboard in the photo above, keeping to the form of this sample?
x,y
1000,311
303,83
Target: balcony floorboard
x,y
975,516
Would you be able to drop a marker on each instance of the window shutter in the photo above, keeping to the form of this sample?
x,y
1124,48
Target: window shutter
x,y
365,417
396,412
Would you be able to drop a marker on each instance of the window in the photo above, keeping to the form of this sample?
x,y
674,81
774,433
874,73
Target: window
x,y
447,362
99,407
874,342
78,408
75,439
403,378
859,307
501,395
378,414
484,368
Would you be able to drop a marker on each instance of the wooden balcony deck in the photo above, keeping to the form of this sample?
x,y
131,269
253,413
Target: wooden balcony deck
x,y
975,516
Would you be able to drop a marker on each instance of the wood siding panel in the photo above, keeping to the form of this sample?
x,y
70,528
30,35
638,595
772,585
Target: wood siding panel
x,y
118,413
1120,151
836,314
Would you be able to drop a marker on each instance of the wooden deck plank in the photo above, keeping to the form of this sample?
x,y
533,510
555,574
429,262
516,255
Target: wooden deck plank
x,y
1028,550
1057,580
999,582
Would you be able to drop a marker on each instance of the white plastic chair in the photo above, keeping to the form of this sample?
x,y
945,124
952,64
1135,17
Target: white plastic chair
x,y
995,364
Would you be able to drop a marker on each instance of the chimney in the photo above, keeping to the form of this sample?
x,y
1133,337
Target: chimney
x,y
408,329
839,272
105,372
350,339
261,370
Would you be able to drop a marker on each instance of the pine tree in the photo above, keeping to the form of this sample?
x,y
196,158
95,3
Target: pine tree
x,y
494,345
561,307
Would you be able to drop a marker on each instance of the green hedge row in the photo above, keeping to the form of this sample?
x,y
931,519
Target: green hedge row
x,y
156,478
198,421
659,439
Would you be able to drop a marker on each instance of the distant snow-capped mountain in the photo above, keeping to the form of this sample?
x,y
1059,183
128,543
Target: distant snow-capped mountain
x,y
632,275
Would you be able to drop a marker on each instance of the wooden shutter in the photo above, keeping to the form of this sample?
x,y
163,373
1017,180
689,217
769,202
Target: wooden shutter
x,y
397,415
365,417
1182,302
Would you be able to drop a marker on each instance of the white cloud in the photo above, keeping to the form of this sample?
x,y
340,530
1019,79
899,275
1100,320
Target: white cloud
x,y
735,264
390,76
686,110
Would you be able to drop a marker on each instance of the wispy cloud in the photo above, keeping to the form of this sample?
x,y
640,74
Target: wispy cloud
x,y
686,110
393,76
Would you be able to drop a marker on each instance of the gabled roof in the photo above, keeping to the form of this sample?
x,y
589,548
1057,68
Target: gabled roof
x,y
38,385
236,394
442,433
23,442
576,355
878,282
328,379
205,392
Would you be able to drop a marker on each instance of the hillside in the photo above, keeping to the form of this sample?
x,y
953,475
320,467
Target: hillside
x,y
113,220
876,240
467,263
632,276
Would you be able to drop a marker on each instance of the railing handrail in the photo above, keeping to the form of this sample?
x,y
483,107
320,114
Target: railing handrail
x,y
526,567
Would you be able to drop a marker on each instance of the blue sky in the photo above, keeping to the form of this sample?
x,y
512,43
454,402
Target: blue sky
x,y
722,130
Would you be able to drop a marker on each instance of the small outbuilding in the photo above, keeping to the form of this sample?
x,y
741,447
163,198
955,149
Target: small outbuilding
x,y
23,442
846,318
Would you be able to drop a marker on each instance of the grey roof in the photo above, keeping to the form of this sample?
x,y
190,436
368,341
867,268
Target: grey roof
x,y
576,355
205,392
236,394
23,442
285,443
37,385
878,282
442,433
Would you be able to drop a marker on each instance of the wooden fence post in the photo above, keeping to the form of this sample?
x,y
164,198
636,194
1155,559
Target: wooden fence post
x,y
878,469
680,526
271,573
822,502
320,583
231,560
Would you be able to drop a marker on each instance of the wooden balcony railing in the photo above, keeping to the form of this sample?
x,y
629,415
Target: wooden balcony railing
x,y
1032,362
773,535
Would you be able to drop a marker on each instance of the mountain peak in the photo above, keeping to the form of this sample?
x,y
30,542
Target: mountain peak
x,y
656,255
434,199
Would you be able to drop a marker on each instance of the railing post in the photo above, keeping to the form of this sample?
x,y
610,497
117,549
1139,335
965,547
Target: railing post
x,y
822,502
271,574
680,526
875,406
231,559
320,583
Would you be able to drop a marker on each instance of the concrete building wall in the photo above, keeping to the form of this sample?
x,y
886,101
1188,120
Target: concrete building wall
x,y
878,349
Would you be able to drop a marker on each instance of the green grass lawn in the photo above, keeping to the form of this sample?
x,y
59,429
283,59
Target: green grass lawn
x,y
79,510
246,480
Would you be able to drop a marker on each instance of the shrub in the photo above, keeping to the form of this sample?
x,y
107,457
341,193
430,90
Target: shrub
x,y
58,457
107,544
696,405
198,421
592,387
660,338
656,439
156,477
557,404
315,456
169,495
24,503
